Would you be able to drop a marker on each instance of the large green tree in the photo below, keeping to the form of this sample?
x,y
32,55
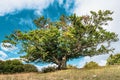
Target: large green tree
x,y
67,38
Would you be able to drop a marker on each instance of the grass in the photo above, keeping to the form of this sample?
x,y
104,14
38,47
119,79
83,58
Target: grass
x,y
104,73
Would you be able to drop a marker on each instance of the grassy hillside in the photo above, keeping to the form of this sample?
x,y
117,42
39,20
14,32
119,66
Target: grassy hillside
x,y
105,73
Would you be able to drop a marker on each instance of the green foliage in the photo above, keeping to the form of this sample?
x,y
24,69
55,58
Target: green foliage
x,y
15,66
71,67
68,38
29,68
113,59
12,66
49,69
91,65
1,66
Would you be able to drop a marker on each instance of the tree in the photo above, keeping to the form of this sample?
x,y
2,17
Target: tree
x,y
113,59
68,38
91,65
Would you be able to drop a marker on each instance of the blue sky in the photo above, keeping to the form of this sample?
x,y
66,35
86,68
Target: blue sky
x,y
19,14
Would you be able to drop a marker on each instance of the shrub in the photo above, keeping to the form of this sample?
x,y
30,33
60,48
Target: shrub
x,y
1,66
16,66
17,69
12,66
71,67
30,68
91,65
49,69
113,59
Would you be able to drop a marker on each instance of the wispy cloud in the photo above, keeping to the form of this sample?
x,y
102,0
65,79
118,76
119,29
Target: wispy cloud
x,y
8,6
2,55
28,22
9,49
18,58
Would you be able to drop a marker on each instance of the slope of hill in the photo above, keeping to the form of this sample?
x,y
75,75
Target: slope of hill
x,y
105,73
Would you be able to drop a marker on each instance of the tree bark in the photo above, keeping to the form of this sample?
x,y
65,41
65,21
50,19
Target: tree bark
x,y
62,63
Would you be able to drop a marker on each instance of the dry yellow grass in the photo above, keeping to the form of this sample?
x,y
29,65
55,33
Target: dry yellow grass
x,y
105,73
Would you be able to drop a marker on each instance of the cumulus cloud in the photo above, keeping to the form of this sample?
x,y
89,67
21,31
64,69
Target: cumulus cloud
x,y
2,55
83,7
100,59
9,49
8,6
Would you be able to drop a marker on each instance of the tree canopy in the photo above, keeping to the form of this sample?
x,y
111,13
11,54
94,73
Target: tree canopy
x,y
67,38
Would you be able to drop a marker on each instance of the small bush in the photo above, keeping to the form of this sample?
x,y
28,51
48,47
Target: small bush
x,y
17,69
49,69
30,68
1,66
16,66
71,67
91,65
114,60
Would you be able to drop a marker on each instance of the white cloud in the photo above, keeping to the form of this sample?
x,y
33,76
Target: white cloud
x,y
83,7
45,66
18,58
9,49
8,6
100,59
2,55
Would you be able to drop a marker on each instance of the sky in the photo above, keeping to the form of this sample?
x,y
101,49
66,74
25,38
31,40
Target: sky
x,y
19,14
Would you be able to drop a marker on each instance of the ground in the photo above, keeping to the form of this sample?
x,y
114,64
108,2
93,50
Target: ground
x,y
104,73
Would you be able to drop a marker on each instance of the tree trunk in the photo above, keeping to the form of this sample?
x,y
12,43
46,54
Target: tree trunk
x,y
62,63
